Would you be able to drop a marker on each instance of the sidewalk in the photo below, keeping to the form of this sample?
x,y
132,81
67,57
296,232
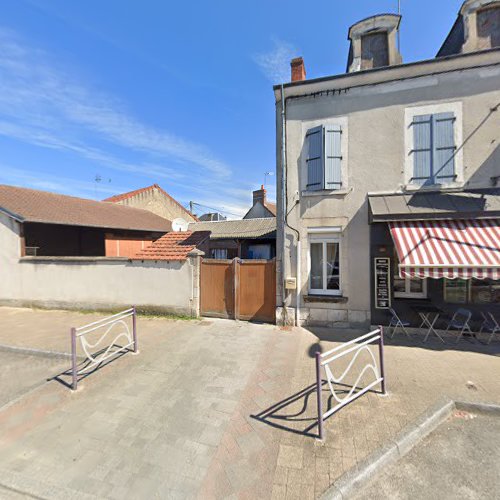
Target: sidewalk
x,y
196,413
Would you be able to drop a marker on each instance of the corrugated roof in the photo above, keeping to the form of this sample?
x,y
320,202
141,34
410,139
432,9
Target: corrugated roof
x,y
125,196
435,205
31,205
229,229
173,246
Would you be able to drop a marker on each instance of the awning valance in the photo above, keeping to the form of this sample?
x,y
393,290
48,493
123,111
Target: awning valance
x,y
448,249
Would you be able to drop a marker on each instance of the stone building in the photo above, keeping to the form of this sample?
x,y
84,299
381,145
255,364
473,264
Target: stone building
x,y
386,147
156,200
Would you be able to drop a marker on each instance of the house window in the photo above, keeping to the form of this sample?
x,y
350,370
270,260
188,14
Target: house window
x,y
324,255
324,157
472,291
411,288
434,149
218,253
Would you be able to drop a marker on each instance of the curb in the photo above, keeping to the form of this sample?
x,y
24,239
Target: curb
x,y
413,433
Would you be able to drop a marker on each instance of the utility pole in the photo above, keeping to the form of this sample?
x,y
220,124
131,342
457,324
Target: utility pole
x,y
191,207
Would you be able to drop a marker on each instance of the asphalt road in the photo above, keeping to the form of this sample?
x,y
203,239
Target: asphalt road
x,y
460,459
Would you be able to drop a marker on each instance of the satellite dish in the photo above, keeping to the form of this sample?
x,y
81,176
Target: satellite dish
x,y
180,224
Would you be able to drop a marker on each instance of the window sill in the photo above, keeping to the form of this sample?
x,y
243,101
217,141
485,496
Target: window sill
x,y
439,188
411,297
332,299
326,192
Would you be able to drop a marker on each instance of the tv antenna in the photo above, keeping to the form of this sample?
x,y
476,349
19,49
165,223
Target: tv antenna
x,y
98,180
266,175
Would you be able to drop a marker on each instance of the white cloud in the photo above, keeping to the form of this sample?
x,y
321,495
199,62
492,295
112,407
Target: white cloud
x,y
46,106
56,183
275,64
35,94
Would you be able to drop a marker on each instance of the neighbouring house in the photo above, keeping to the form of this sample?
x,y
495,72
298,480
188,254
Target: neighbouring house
x,y
392,179
67,252
246,239
261,208
212,217
156,200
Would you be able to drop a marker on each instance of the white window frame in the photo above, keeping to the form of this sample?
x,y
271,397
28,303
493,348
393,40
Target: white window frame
x,y
324,238
341,121
407,294
433,109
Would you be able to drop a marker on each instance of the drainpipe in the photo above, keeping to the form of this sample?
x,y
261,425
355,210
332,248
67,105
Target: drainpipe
x,y
285,216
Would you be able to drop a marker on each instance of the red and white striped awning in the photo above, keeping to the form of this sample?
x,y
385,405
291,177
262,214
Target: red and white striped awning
x,y
448,249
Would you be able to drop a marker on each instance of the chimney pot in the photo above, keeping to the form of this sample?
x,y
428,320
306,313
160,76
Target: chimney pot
x,y
298,69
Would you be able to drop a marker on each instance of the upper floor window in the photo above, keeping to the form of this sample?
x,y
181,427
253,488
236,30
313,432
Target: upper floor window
x,y
488,27
324,157
433,149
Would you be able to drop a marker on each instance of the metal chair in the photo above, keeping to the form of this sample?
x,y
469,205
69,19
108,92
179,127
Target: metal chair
x,y
490,324
460,322
396,322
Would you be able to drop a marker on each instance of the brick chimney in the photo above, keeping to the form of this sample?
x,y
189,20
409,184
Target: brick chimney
x,y
298,69
259,195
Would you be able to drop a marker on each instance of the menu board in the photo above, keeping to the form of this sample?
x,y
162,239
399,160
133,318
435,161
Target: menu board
x,y
382,283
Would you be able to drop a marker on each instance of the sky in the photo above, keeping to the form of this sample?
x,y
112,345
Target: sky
x,y
136,92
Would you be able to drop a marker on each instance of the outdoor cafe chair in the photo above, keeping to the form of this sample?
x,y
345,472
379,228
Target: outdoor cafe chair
x,y
490,324
460,322
396,322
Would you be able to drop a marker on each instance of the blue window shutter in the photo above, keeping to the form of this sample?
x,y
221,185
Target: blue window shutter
x,y
443,140
422,149
314,158
333,157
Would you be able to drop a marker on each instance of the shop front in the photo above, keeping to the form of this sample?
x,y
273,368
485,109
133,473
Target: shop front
x,y
439,259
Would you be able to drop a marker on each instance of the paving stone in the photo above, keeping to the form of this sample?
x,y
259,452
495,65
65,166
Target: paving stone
x,y
157,425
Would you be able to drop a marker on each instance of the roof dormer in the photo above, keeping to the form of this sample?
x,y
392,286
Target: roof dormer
x,y
374,43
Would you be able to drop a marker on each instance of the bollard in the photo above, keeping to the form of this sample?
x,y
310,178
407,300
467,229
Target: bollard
x,y
74,377
381,357
318,395
134,329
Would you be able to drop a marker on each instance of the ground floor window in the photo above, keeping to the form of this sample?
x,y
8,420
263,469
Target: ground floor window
x,y
472,291
259,251
412,288
218,253
324,256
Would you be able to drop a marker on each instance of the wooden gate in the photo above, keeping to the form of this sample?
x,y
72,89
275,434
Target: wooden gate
x,y
239,289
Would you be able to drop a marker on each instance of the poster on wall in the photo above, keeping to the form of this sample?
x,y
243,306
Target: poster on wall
x,y
382,282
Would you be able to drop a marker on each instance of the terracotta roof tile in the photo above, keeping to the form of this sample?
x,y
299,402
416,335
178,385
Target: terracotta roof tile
x,y
125,196
31,205
173,246
271,207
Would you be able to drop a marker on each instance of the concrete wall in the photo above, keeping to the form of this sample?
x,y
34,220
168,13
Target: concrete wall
x,y
155,201
374,160
94,283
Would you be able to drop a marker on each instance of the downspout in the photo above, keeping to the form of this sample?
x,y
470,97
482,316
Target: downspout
x,y
285,217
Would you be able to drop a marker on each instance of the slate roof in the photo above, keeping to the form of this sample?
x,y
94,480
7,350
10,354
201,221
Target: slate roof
x,y
31,205
237,229
422,205
174,246
117,198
